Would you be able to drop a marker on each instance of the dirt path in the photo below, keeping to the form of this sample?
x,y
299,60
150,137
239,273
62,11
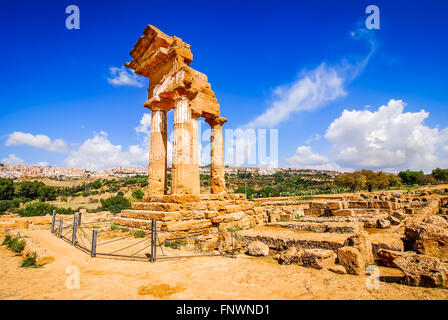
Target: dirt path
x,y
198,278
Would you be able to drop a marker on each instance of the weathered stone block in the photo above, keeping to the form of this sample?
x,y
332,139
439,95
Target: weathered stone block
x,y
351,259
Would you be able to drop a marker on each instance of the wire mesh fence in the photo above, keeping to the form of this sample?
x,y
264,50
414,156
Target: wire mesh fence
x,y
105,239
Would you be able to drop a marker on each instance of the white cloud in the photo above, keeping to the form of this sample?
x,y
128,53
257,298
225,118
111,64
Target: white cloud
x,y
305,158
43,163
316,88
312,90
315,137
145,124
124,77
40,141
12,160
387,139
99,153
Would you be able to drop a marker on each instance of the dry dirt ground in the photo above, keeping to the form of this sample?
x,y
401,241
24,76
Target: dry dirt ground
x,y
197,278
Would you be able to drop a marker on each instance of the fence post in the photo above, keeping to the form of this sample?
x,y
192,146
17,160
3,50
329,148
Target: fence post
x,y
155,241
53,221
152,240
79,219
61,222
75,219
94,237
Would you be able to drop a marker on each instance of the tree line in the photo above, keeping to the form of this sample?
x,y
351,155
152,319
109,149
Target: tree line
x,y
371,180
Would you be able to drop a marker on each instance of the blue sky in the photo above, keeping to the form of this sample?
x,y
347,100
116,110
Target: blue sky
x,y
310,60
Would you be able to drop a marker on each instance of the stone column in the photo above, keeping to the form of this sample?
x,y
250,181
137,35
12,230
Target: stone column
x,y
194,172
182,137
158,152
217,168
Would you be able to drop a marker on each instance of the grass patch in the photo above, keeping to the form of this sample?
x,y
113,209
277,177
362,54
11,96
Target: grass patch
x,y
14,244
171,244
6,240
306,198
114,227
139,234
29,262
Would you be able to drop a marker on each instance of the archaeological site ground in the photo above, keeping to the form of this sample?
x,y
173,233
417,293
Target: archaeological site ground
x,y
125,183
176,243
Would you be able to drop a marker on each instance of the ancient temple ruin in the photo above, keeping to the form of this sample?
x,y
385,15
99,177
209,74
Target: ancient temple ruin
x,y
173,84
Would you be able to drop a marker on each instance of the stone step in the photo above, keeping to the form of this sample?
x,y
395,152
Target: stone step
x,y
148,215
283,239
133,223
156,206
331,227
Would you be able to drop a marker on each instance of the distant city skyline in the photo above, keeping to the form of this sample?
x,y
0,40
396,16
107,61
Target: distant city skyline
x,y
342,97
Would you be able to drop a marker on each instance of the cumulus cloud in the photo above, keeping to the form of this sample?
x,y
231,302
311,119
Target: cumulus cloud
x,y
387,139
310,91
12,160
123,77
99,153
305,158
40,141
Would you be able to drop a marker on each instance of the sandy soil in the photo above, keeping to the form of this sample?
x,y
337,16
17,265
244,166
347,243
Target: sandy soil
x,y
197,278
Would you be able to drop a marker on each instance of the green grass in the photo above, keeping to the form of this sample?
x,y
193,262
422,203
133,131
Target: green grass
x,y
171,244
14,244
29,262
6,240
114,227
139,234
306,198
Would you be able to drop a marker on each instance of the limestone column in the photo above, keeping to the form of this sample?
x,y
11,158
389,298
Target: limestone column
x,y
182,136
217,168
158,152
194,172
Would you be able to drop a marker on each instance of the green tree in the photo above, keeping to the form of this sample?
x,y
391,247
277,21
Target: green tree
x,y
115,204
394,181
354,180
6,189
47,193
96,184
138,194
411,177
440,174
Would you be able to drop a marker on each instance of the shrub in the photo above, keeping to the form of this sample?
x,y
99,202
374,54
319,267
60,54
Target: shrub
x,y
171,244
139,234
6,189
6,240
6,205
16,245
138,194
115,204
38,208
29,262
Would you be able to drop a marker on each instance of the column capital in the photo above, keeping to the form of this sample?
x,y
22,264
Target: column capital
x,y
157,103
216,121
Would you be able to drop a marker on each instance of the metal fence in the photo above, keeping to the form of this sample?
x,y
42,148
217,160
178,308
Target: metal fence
x,y
103,239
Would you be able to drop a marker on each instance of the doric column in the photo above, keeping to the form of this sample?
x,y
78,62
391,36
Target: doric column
x,y
158,152
182,136
194,173
217,168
